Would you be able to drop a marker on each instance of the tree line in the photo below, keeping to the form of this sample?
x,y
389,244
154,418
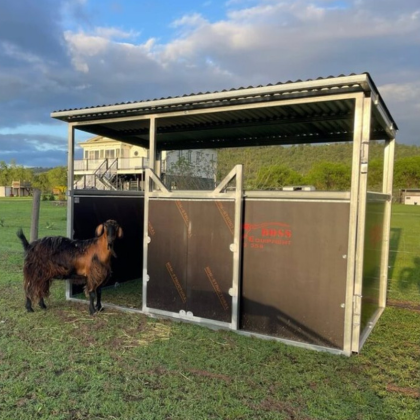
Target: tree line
x,y
326,167
46,181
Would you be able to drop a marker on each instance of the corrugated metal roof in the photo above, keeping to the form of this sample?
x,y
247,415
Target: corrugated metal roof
x,y
270,114
292,87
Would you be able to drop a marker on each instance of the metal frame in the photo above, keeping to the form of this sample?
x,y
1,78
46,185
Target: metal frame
x,y
70,192
156,190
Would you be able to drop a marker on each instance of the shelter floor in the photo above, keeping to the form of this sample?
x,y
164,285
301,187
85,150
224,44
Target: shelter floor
x,y
127,294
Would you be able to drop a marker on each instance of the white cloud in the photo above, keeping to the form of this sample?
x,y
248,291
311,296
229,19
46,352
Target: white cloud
x,y
402,92
193,20
115,33
252,14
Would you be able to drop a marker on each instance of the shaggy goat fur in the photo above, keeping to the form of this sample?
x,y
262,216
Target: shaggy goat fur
x,y
85,262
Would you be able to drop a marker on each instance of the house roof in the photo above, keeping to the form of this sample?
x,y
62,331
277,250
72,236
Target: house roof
x,y
311,111
101,140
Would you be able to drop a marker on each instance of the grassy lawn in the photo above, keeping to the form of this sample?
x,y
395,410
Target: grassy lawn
x,y
64,364
404,270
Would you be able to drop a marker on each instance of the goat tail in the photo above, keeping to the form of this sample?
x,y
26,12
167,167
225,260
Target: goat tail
x,y
23,239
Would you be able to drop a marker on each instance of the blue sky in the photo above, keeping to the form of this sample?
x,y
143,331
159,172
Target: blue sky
x,y
63,54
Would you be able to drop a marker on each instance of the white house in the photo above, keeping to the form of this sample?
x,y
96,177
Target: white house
x,y
111,164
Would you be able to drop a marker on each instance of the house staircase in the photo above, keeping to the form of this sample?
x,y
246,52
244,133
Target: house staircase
x,y
104,178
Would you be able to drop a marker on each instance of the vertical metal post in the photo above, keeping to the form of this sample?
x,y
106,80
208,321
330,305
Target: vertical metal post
x,y
237,251
388,171
70,193
352,302
159,164
146,238
152,144
361,223
70,180
152,147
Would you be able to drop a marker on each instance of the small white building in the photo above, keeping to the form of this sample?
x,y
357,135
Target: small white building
x,y
110,164
410,197
5,191
17,189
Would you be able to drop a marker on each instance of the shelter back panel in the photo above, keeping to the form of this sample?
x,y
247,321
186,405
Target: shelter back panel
x,y
190,264
294,270
90,211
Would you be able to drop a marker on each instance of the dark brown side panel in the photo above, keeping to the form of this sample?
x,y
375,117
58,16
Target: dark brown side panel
x,y
190,265
294,270
90,211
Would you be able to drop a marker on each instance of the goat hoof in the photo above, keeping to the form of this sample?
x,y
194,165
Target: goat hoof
x,y
29,310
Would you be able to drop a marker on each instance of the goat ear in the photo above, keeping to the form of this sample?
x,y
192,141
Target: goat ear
x,y
120,232
99,230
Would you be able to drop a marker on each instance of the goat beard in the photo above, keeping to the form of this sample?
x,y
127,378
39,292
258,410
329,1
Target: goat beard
x,y
111,249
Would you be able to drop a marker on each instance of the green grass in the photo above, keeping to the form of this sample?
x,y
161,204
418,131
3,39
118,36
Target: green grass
x,y
404,271
65,364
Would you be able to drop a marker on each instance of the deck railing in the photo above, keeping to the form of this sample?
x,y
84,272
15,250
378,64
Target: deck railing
x,y
91,165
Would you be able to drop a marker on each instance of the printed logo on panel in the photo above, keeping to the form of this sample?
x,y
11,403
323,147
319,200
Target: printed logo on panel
x,y
267,234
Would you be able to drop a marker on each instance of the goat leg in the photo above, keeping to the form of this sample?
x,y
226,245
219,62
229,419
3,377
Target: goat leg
x,y
28,305
42,304
92,302
99,307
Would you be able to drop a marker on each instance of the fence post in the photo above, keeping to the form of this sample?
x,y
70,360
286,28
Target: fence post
x,y
35,214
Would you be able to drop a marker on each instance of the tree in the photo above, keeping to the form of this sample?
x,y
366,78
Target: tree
x,y
329,176
13,172
57,177
54,178
407,172
276,176
375,175
42,182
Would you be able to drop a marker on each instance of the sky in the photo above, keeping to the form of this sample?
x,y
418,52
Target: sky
x,y
65,54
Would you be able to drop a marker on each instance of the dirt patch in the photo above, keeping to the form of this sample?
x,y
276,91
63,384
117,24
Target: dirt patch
x,y
409,392
293,413
403,304
211,375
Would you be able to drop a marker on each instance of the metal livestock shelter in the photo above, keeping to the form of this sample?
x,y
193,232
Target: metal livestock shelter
x,y
308,268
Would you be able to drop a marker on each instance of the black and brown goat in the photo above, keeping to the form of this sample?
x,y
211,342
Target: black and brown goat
x,y
85,262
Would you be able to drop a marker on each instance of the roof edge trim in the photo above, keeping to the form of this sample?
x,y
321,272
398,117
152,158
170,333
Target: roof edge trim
x,y
361,79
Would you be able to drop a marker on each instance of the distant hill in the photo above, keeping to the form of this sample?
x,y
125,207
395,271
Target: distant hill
x,y
300,158
39,170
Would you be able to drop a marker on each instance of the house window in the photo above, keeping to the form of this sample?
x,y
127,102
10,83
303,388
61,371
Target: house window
x,y
101,154
110,154
93,155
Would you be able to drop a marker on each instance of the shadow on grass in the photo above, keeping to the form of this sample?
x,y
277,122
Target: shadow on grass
x,y
394,243
410,276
